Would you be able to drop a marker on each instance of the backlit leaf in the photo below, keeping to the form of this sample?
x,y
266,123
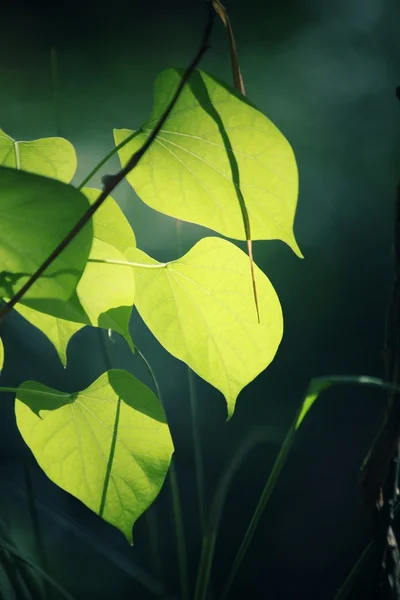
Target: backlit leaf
x,y
201,309
52,157
108,445
215,153
36,214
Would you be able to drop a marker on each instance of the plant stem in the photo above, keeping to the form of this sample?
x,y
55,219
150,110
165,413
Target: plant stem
x,y
198,456
15,390
126,263
176,502
179,533
106,159
154,533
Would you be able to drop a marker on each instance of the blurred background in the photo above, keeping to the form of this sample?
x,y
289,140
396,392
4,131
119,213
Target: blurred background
x,y
325,73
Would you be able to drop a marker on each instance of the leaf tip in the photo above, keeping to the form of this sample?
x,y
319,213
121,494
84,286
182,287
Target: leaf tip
x,y
129,538
230,404
295,247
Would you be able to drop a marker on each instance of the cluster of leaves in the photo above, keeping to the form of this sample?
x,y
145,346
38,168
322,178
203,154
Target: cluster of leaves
x,y
110,445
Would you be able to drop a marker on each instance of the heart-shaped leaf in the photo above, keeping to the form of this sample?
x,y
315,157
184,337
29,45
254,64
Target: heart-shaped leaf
x,y
201,309
109,445
36,215
105,293
215,154
52,157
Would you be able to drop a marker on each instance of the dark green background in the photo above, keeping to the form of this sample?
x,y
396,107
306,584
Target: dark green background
x,y
325,73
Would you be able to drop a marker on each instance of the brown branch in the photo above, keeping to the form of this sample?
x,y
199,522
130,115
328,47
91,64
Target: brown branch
x,y
112,181
237,75
239,85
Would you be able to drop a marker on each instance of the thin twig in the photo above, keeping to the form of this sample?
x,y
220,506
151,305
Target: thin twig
x,y
112,181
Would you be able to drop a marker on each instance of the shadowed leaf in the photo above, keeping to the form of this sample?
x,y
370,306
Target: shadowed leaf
x,y
215,154
36,215
105,293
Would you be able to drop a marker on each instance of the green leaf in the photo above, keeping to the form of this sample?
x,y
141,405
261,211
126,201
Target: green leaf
x,y
215,154
108,445
201,309
52,157
1,355
105,293
36,214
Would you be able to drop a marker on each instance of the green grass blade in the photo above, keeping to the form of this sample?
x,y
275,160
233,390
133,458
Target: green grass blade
x,y
36,528
180,534
315,388
265,496
20,556
351,578
213,521
96,543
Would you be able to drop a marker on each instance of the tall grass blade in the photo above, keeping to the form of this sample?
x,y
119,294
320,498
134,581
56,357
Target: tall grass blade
x,y
315,388
214,518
